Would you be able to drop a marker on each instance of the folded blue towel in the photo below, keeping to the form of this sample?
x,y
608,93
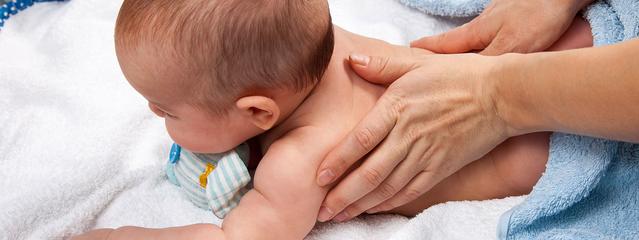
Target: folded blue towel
x,y
590,189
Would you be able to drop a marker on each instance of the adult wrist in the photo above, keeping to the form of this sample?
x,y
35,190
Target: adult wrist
x,y
513,94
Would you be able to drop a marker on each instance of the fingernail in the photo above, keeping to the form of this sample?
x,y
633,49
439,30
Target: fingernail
x,y
343,216
326,177
359,59
325,214
372,210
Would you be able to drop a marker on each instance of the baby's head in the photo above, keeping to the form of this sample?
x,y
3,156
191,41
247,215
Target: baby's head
x,y
223,71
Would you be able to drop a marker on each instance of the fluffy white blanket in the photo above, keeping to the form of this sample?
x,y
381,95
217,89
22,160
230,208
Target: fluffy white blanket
x,y
79,149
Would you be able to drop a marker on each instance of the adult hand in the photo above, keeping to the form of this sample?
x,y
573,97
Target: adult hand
x,y
509,26
433,120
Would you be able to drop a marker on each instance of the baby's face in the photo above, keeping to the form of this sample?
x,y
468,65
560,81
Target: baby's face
x,y
198,131
192,128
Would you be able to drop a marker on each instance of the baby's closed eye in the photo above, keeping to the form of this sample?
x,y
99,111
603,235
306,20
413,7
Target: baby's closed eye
x,y
160,112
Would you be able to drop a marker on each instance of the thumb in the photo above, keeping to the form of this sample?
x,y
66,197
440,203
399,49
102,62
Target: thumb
x,y
382,69
459,40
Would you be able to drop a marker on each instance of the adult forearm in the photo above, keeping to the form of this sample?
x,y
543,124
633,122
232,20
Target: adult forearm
x,y
593,92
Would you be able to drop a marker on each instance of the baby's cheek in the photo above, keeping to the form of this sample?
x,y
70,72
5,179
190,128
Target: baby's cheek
x,y
181,135
175,134
188,142
195,140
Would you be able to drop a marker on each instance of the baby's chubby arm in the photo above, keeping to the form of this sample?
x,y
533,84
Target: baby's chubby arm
x,y
283,204
194,232
286,199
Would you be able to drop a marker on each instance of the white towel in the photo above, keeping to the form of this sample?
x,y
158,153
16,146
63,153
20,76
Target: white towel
x,y
79,149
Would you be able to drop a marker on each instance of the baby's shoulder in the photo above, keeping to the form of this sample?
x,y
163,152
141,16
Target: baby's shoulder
x,y
305,140
298,152
290,163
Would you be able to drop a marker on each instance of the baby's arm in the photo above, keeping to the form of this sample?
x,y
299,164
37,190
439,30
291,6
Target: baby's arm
x,y
285,200
194,232
283,204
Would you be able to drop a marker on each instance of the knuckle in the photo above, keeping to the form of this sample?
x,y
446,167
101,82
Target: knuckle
x,y
364,138
424,161
386,190
403,145
396,100
412,194
413,133
383,64
372,177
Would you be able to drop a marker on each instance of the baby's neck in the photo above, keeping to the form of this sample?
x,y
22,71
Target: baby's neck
x,y
340,92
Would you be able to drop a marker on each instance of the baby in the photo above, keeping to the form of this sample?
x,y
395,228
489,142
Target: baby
x,y
221,72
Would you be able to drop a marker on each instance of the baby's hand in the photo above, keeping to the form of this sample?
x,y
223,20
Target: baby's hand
x,y
99,234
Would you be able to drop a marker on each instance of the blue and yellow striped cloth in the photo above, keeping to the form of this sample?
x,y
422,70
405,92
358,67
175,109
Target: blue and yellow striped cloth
x,y
211,181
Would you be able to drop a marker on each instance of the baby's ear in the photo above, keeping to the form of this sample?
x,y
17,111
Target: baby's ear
x,y
262,111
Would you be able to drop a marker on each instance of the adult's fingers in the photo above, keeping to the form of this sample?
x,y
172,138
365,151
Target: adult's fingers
x,y
373,173
415,189
397,180
370,131
468,37
376,125
375,169
383,69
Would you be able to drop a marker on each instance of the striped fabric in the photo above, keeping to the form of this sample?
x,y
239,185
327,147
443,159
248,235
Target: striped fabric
x,y
219,188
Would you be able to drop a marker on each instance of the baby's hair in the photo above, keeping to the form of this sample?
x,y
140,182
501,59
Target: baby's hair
x,y
229,48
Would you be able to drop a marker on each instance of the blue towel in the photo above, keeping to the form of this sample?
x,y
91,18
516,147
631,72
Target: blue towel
x,y
590,189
